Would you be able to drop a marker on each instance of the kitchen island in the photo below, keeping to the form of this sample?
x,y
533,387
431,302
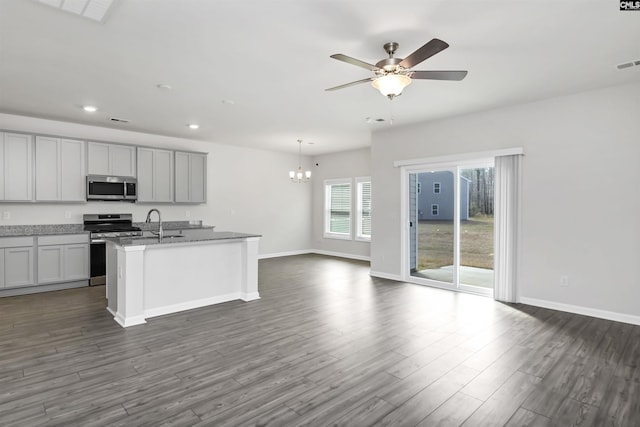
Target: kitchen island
x,y
148,276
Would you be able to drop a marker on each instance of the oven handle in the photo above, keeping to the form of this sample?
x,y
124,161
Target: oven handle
x,y
98,241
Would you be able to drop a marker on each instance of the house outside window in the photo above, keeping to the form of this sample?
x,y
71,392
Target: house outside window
x,y
363,211
337,215
435,210
436,188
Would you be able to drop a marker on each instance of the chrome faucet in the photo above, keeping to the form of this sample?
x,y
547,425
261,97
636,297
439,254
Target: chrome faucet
x,y
160,233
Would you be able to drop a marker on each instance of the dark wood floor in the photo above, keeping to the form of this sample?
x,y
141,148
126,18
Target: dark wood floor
x,y
326,345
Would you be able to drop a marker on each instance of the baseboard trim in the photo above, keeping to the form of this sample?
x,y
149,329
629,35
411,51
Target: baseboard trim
x,y
174,308
586,311
382,275
251,296
281,254
341,255
315,251
36,289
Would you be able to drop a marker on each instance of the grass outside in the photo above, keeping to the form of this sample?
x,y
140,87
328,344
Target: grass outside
x,y
435,243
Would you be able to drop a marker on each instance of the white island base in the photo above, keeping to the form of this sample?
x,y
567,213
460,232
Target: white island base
x,y
147,278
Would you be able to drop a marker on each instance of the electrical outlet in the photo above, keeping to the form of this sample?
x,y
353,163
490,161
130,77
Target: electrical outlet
x,y
187,214
67,214
6,215
564,281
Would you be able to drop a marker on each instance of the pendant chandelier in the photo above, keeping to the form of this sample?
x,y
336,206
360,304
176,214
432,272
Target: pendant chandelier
x,y
299,176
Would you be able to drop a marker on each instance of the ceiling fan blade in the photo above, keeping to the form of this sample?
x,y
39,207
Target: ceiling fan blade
x,y
426,51
354,61
350,84
438,75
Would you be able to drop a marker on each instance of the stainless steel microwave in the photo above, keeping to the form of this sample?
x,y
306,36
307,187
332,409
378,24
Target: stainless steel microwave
x,y
112,188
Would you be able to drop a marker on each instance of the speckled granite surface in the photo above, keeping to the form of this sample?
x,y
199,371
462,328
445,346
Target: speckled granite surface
x,y
216,235
170,225
48,229
39,230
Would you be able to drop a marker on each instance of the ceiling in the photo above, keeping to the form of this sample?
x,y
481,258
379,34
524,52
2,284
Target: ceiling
x,y
253,72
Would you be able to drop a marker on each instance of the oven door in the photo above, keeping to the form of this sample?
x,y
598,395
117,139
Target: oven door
x,y
98,263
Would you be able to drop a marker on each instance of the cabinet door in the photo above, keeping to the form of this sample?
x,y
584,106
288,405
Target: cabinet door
x,y
98,158
123,160
182,177
50,264
198,171
47,168
163,176
18,167
18,267
72,171
76,262
145,174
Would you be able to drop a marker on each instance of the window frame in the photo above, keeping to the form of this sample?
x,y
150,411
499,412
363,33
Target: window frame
x,y
437,187
437,209
328,184
359,207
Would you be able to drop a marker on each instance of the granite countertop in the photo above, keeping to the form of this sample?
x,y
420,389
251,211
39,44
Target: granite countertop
x,y
172,225
41,230
146,241
52,229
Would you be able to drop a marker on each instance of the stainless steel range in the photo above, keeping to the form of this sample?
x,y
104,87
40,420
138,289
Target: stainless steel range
x,y
102,226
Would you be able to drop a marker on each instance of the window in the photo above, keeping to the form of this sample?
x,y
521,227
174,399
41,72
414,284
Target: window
x,y
435,210
363,219
337,217
436,188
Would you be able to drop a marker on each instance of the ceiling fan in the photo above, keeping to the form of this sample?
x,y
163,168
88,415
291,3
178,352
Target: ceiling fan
x,y
392,75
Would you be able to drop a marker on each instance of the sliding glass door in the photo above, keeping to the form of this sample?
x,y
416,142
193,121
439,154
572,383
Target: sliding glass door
x,y
450,226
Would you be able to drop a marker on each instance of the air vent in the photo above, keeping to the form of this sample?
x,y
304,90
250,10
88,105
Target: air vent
x,y
629,64
119,120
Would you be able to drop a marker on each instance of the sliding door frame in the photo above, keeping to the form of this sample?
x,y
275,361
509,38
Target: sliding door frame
x,y
451,166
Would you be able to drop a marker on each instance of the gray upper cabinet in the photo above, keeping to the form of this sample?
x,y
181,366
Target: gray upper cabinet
x,y
191,177
60,169
111,159
155,175
16,161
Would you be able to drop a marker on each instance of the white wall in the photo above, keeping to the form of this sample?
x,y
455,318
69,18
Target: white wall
x,y
581,198
248,190
345,164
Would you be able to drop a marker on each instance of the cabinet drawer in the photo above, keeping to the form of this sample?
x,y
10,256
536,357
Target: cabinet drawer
x,y
14,242
63,239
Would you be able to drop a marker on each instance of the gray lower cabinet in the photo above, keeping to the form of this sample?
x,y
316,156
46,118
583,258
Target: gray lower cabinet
x,y
63,258
17,262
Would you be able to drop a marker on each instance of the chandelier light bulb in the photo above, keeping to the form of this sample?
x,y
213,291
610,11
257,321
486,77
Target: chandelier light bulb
x,y
299,175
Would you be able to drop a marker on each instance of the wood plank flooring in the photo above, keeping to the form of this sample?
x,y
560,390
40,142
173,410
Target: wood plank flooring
x,y
326,345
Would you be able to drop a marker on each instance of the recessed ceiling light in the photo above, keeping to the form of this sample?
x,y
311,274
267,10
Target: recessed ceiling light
x,y
193,126
164,86
90,108
228,101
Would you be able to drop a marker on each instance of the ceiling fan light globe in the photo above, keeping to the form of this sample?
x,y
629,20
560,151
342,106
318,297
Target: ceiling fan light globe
x,y
391,85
